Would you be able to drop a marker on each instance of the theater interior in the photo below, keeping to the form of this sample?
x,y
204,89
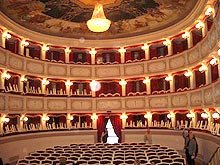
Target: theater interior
x,y
71,69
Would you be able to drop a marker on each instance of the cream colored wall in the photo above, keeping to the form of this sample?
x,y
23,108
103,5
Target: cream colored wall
x,y
204,97
17,146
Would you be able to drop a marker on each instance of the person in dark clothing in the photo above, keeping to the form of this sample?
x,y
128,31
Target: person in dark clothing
x,y
104,136
190,147
1,161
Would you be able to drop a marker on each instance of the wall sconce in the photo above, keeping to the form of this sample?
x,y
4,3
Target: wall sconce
x,y
71,118
94,116
122,50
215,115
5,119
202,68
170,115
6,76
167,42
45,118
68,83
45,48
24,43
188,73
199,25
148,115
122,82
146,80
218,52
190,115
145,47
25,119
45,82
209,11
23,79
95,85
204,115
186,35
213,61
92,51
67,50
169,78
124,116
6,35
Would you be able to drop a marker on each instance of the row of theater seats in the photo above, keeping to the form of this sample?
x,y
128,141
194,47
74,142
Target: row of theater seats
x,y
111,154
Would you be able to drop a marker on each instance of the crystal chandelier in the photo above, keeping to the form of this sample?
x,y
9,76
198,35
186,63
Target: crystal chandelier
x,y
98,22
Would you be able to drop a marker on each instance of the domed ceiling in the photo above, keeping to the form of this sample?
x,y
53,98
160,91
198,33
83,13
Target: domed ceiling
x,y
67,18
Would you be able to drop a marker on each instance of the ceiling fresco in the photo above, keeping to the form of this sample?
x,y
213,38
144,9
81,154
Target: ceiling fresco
x,y
67,18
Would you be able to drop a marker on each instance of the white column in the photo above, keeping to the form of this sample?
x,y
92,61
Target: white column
x,y
43,121
192,80
190,40
147,83
20,84
123,84
194,119
146,51
123,117
43,88
170,47
122,54
67,54
123,90
68,90
94,118
204,29
208,74
21,48
3,41
1,123
173,119
172,84
44,49
1,81
148,116
68,120
92,52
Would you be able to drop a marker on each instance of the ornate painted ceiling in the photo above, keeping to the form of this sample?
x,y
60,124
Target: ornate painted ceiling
x,y
67,18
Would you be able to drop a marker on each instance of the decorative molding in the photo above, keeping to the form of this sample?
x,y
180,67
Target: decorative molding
x,y
107,71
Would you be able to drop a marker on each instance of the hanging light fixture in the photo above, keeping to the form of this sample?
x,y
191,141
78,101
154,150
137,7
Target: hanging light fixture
x,y
98,22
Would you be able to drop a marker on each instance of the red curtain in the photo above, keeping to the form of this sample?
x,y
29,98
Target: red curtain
x,y
181,81
153,52
88,120
62,56
156,117
209,22
179,45
154,85
100,127
71,59
118,57
117,126
197,36
129,87
88,58
127,56
118,88
200,78
214,71
10,45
